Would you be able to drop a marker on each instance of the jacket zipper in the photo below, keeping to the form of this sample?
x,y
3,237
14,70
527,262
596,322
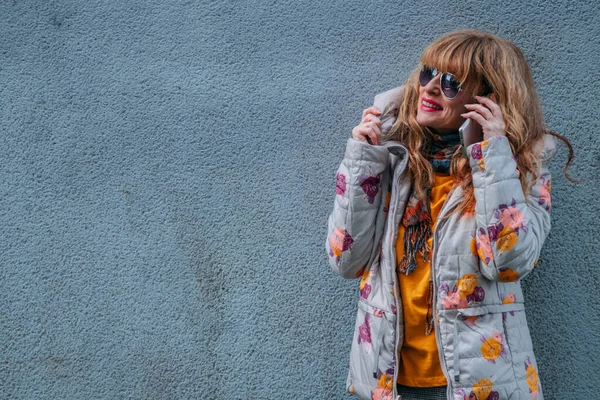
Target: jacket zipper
x,y
393,212
392,261
438,336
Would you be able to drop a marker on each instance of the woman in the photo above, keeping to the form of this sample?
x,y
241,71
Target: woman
x,y
439,240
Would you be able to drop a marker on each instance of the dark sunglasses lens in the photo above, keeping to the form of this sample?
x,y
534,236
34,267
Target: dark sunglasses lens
x,y
450,85
425,76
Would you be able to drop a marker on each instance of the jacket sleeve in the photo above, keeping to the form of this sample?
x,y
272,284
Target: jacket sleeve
x,y
510,229
352,223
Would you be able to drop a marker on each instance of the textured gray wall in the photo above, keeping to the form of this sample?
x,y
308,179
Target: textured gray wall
x,y
168,169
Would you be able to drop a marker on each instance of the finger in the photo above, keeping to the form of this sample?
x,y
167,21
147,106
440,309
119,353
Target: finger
x,y
360,137
373,132
372,137
494,108
364,132
375,110
486,112
371,110
476,117
375,129
372,118
358,134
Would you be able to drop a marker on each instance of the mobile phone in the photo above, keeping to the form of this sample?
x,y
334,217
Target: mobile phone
x,y
470,132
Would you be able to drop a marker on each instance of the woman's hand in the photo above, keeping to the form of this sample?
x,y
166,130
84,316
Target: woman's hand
x,y
488,115
370,127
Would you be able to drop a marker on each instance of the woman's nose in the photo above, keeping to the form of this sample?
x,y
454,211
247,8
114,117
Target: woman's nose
x,y
433,86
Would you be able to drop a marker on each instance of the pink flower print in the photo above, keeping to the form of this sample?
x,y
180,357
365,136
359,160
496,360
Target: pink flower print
x,y
381,394
365,291
476,152
340,184
340,241
378,312
453,300
484,247
511,216
545,189
471,321
370,185
383,391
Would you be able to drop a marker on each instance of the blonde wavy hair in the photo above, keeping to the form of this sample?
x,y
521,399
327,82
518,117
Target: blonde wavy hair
x,y
482,62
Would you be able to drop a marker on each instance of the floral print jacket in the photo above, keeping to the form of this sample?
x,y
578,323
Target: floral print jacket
x,y
478,259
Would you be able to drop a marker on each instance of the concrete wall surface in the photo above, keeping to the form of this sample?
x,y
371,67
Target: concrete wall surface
x,y
168,168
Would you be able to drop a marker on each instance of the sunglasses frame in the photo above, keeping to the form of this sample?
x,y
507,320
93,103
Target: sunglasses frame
x,y
435,73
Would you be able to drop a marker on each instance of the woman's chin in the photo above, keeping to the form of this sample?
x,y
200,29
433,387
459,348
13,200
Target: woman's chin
x,y
426,122
424,119
436,125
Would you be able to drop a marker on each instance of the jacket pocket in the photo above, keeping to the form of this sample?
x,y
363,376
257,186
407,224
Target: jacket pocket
x,y
372,354
521,350
517,331
482,355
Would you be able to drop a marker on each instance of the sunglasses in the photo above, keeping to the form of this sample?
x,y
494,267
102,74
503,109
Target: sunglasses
x,y
448,82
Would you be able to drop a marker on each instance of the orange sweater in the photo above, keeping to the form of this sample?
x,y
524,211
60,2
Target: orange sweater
x,y
419,364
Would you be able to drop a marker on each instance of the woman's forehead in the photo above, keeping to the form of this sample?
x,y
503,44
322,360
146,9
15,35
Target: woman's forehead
x,y
444,64
453,65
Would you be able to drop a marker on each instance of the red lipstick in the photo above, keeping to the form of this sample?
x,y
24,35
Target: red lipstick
x,y
430,109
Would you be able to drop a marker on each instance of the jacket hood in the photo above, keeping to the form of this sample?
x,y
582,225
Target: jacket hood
x,y
388,103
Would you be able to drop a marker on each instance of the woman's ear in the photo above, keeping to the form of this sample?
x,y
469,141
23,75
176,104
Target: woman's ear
x,y
487,88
